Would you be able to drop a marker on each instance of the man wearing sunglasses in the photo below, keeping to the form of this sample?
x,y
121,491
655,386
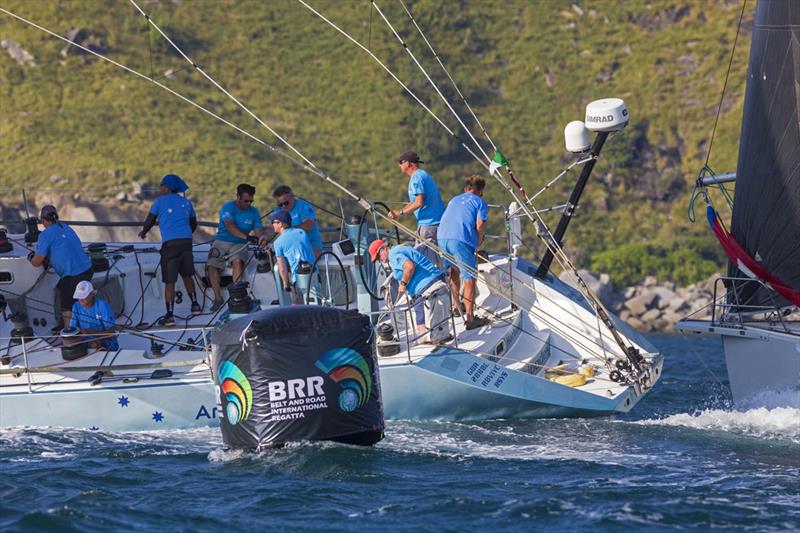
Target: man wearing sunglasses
x,y
424,201
237,219
303,215
292,248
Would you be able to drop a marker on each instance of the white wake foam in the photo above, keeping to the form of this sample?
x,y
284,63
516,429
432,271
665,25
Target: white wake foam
x,y
781,423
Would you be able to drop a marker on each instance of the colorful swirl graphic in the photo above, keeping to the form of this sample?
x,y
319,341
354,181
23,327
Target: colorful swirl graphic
x,y
237,391
349,369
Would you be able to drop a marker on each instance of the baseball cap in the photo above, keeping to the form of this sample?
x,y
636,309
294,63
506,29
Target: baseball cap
x,y
48,212
374,248
410,156
281,216
83,290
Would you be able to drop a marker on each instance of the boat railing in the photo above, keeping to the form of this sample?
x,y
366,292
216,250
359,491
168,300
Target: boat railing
x,y
728,307
31,344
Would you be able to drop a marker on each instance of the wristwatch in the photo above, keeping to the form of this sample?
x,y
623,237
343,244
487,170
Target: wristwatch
x,y
403,283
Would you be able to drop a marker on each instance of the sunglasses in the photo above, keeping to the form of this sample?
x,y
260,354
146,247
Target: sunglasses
x,y
284,204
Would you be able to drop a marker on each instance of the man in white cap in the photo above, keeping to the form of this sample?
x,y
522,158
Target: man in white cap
x,y
91,315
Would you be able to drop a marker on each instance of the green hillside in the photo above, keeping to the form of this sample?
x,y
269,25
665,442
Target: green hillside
x,y
526,67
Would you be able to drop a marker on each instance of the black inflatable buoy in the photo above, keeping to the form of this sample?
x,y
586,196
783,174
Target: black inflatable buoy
x,y
297,373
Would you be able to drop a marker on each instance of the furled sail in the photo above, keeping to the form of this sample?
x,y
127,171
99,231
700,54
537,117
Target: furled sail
x,y
766,212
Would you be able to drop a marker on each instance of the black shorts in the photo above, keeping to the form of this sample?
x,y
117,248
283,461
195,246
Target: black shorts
x,y
66,288
176,258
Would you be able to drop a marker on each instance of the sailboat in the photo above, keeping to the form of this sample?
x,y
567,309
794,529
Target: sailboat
x,y
549,350
756,313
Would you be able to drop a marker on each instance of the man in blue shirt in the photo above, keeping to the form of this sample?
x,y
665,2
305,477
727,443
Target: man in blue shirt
x,y
422,281
460,234
61,246
424,201
292,248
237,219
303,215
91,314
177,222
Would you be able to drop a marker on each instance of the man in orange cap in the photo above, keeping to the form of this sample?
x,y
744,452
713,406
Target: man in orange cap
x,y
422,282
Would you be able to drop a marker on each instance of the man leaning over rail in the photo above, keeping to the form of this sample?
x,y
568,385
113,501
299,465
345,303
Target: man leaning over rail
x,y
62,247
237,219
177,222
460,234
303,215
91,314
292,248
424,201
422,282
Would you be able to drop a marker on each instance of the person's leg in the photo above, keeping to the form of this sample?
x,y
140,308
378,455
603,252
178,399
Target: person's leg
x,y
237,268
214,274
469,298
455,286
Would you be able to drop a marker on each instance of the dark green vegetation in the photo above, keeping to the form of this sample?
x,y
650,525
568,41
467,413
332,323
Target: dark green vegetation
x,y
526,67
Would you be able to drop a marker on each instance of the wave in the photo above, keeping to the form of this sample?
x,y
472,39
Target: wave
x,y
777,423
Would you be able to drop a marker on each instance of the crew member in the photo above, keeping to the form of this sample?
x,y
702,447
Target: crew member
x,y
177,221
61,246
237,219
422,281
424,201
292,247
303,215
91,315
460,234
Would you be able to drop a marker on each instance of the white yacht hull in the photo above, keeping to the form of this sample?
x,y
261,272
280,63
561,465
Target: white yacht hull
x,y
758,360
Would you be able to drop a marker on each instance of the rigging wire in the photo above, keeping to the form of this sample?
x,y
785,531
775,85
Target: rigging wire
x,y
398,80
453,81
725,85
433,83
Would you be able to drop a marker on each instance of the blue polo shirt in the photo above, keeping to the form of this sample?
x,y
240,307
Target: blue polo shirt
x,y
301,211
431,212
173,212
97,317
460,218
424,271
245,220
62,246
294,246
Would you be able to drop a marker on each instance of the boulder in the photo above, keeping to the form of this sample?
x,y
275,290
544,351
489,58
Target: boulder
x,y
677,304
671,316
625,315
650,315
640,304
636,324
629,293
600,284
665,296
650,281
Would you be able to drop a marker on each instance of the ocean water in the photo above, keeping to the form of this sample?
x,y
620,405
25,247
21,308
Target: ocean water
x,y
682,459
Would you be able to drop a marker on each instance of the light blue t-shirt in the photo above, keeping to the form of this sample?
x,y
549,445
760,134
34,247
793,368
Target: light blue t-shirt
x,y
173,212
424,271
431,212
460,217
293,245
97,318
245,220
303,211
61,245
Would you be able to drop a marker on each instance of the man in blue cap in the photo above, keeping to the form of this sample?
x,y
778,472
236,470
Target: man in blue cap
x,y
424,201
177,222
292,247
237,219
62,247
460,234
303,215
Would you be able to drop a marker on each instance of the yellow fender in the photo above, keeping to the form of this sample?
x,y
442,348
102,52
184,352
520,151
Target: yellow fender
x,y
571,380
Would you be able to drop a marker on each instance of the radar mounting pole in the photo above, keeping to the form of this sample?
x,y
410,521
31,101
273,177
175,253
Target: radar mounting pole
x,y
574,198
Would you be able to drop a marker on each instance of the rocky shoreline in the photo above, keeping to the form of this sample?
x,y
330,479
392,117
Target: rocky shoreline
x,y
651,306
